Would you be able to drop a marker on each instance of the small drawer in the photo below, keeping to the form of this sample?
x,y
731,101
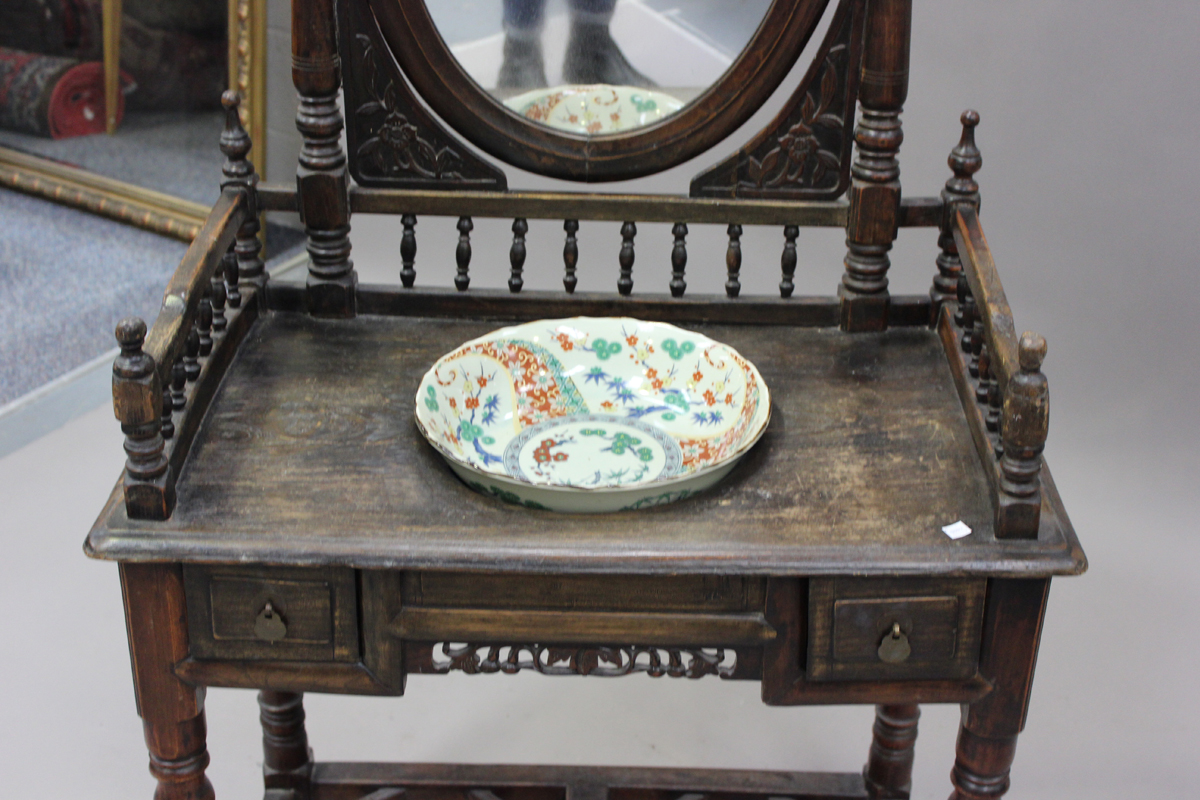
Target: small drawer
x,y
894,628
287,614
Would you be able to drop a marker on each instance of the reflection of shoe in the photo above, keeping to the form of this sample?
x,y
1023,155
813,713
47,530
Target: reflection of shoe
x,y
522,67
593,57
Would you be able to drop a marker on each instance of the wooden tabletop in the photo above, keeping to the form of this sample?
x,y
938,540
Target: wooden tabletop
x,y
309,455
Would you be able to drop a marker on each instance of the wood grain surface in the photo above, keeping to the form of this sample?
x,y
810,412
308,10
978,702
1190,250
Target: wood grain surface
x,y
309,455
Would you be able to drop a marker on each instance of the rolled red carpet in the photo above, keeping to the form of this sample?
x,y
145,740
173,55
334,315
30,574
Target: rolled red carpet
x,y
52,96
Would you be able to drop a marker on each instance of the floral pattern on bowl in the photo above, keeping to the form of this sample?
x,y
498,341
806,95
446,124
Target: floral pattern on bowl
x,y
616,410
595,109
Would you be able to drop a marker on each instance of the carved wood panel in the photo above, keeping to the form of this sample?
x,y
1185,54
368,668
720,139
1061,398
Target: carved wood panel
x,y
805,152
393,141
673,662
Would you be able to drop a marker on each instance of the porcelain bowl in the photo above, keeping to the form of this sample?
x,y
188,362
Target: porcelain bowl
x,y
595,109
592,414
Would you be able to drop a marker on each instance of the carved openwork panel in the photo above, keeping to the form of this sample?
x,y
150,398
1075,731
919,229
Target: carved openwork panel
x,y
393,141
673,662
805,152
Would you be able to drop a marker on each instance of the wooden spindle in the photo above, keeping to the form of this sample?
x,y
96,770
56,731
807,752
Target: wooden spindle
x,y
1026,419
961,189
238,171
787,262
217,289
985,376
178,385
570,255
994,400
137,404
978,338
965,316
204,317
516,254
625,282
191,355
874,196
229,266
679,259
168,407
733,261
408,250
287,758
462,254
888,773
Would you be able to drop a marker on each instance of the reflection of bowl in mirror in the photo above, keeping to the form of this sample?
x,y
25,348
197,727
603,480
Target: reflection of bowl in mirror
x,y
594,110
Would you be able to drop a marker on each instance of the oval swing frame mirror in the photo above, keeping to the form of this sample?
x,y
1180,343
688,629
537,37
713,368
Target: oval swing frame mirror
x,y
415,43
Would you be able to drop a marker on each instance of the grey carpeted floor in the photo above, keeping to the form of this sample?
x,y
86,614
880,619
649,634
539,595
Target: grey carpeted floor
x,y
67,277
174,153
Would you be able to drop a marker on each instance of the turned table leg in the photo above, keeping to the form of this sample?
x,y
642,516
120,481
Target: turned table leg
x,y
888,773
987,737
172,711
287,759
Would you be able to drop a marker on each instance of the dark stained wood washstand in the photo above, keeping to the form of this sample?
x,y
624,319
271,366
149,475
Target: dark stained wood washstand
x,y
282,525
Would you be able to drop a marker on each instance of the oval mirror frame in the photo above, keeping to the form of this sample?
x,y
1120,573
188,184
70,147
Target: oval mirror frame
x,y
413,38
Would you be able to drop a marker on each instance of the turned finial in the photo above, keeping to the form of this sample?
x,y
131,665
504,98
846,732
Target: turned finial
x,y
1031,351
132,363
131,335
965,159
235,142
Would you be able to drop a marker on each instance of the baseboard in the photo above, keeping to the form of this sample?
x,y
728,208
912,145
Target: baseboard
x,y
56,403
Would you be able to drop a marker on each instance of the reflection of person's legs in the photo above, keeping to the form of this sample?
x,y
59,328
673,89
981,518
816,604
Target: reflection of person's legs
x,y
522,67
592,55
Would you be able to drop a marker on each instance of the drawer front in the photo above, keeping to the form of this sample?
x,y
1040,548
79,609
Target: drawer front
x,y
690,593
286,614
580,609
894,628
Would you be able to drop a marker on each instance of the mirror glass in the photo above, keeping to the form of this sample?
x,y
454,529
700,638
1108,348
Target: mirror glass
x,y
596,67
171,60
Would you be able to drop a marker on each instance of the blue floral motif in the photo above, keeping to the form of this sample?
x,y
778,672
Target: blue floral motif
x,y
490,405
641,411
596,374
487,457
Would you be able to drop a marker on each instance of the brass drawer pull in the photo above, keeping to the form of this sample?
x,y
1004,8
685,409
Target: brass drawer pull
x,y
895,649
269,626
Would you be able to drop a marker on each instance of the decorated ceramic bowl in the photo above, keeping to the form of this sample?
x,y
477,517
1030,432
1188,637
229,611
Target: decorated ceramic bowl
x,y
592,414
594,109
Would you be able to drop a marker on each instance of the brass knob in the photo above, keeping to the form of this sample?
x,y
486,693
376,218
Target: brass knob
x,y
894,649
268,625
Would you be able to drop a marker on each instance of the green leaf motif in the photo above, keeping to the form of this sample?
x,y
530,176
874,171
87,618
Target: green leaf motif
x,y
431,401
604,349
677,400
677,351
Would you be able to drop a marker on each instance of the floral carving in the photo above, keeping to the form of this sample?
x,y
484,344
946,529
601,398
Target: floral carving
x,y
394,142
397,148
804,153
673,662
798,159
